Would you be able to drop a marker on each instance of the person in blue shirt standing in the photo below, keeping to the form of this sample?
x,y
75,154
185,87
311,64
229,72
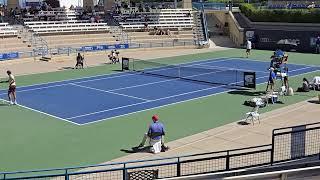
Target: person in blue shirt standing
x,y
155,133
272,79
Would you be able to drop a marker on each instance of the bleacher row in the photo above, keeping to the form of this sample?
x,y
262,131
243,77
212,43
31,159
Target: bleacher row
x,y
164,18
7,31
54,14
66,27
77,33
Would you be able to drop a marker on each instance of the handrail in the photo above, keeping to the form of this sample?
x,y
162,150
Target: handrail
x,y
139,161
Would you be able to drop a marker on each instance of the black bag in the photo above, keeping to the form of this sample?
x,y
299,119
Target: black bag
x,y
164,148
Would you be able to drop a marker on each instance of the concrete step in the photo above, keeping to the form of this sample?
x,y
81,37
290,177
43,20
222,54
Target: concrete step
x,y
47,59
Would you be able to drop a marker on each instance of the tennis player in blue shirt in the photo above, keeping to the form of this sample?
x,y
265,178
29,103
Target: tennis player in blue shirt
x,y
155,132
272,79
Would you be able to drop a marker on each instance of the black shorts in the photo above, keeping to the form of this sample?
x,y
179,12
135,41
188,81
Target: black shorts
x,y
248,50
12,89
271,82
79,63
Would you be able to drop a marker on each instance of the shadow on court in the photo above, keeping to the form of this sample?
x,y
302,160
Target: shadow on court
x,y
243,123
247,93
66,68
136,150
314,101
4,104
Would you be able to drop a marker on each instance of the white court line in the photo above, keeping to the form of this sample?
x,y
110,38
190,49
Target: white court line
x,y
112,77
86,87
99,79
154,100
161,69
148,108
232,69
146,84
257,60
180,101
115,75
40,88
41,112
146,101
157,82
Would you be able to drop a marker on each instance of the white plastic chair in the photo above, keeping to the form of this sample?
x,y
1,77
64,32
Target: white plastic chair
x,y
253,115
316,82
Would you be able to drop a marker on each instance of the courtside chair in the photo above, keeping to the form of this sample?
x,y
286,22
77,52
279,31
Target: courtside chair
x,y
253,115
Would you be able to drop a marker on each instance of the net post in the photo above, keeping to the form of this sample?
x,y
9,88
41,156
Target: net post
x,y
236,78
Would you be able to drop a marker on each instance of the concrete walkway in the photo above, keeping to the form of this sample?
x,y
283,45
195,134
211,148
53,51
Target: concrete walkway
x,y
234,135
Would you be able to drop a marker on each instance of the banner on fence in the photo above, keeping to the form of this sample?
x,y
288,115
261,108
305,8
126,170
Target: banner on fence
x,y
104,47
11,55
287,40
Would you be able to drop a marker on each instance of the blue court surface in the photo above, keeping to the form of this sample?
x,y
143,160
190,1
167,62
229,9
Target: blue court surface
x,y
92,99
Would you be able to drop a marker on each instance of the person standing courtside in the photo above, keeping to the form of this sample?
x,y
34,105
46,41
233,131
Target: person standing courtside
x,y
249,47
79,61
272,80
12,89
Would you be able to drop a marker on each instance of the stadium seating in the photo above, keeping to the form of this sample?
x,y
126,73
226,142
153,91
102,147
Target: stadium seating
x,y
143,38
6,30
78,40
61,20
164,18
66,27
54,14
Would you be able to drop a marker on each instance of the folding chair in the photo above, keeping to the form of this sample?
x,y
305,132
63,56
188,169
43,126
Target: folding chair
x,y
316,83
254,115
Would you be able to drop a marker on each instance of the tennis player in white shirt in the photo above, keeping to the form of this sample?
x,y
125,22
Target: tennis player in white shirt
x,y
249,47
12,89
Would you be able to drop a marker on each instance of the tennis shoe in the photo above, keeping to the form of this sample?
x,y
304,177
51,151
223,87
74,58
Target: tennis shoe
x,y
11,103
140,146
15,103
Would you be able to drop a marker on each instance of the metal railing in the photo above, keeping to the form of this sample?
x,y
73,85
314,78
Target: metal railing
x,y
209,6
295,142
306,136
71,50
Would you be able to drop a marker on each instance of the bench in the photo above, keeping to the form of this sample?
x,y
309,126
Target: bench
x,y
73,27
7,31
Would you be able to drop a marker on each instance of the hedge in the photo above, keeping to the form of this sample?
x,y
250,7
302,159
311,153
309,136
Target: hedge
x,y
281,15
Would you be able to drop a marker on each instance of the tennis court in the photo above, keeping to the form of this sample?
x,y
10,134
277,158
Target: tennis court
x,y
92,99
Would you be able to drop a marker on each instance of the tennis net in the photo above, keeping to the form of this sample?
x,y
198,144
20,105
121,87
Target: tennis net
x,y
220,76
